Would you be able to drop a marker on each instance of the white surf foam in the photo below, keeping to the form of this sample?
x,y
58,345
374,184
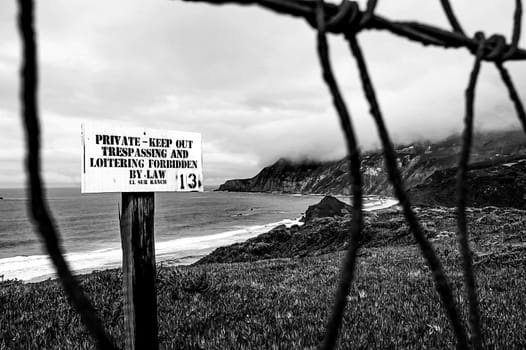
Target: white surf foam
x,y
38,267
373,202
380,203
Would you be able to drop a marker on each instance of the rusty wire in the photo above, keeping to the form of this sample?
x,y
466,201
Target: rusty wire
x,y
452,18
516,34
368,14
346,19
506,78
514,95
348,266
461,192
38,207
442,284
422,33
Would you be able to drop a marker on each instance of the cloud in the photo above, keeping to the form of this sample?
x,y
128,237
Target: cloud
x,y
248,79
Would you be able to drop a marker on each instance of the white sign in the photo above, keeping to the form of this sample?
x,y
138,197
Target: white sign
x,y
117,159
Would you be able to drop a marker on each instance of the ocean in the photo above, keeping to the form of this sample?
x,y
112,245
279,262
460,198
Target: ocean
x,y
187,227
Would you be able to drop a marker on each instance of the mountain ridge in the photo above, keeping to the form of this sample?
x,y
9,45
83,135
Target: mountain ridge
x,y
423,165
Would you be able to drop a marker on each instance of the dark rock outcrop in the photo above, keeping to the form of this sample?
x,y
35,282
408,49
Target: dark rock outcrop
x,y
326,229
327,207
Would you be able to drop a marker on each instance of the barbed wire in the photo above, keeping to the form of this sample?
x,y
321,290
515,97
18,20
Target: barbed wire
x,y
349,20
452,18
348,267
441,282
461,193
419,32
37,205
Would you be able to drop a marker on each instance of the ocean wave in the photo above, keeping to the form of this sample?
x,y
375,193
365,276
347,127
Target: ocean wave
x,y
184,250
372,202
380,203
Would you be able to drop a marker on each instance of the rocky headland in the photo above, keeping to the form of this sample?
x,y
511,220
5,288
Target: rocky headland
x,y
496,175
496,189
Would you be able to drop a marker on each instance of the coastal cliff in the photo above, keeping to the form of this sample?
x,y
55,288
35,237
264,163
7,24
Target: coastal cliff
x,y
501,184
426,169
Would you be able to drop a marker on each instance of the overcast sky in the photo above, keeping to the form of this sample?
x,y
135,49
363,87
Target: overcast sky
x,y
246,78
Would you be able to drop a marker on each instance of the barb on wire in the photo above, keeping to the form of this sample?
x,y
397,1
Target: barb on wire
x,y
38,207
450,14
347,14
461,192
441,283
347,269
368,14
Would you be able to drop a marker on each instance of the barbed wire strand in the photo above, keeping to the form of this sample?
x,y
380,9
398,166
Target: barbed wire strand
x,y
512,91
516,33
461,193
369,12
441,283
461,189
347,11
506,78
348,266
450,14
38,207
418,32
314,12
426,34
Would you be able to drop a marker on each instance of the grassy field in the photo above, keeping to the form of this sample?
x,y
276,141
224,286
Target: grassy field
x,y
280,304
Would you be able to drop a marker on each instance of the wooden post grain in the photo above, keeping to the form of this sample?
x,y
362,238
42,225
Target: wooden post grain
x,y
138,247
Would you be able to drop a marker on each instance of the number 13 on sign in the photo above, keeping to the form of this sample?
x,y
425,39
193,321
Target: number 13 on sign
x,y
189,181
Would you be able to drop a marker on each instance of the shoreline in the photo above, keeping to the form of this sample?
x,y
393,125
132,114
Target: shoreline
x,y
180,251
38,268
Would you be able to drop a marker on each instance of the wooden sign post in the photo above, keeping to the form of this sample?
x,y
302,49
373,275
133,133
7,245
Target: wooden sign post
x,y
137,163
138,265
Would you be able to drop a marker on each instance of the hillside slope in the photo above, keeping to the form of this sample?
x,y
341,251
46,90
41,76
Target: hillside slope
x,y
418,162
326,230
501,184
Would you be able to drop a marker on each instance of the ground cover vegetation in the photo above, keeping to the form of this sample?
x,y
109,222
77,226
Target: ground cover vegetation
x,y
283,303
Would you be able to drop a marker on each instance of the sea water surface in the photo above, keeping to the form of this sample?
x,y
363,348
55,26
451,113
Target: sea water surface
x,y
187,227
